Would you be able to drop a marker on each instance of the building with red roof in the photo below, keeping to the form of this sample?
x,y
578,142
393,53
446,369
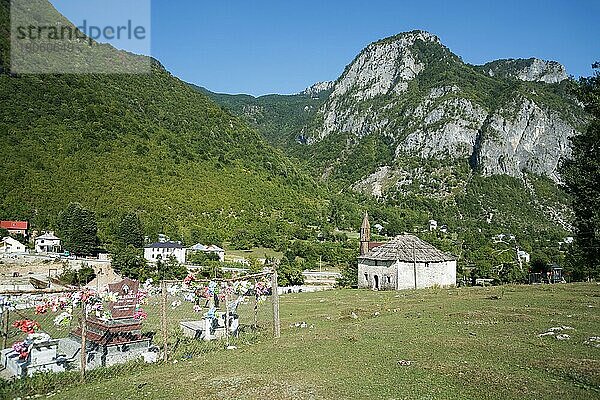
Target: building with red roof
x,y
15,227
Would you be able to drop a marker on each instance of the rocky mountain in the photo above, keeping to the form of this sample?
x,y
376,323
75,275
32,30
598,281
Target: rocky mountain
x,y
531,69
411,90
318,89
410,124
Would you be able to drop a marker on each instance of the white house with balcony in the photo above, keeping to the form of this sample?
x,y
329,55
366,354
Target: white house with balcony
x,y
47,243
163,250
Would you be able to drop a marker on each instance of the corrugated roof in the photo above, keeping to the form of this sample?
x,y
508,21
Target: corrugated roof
x,y
407,248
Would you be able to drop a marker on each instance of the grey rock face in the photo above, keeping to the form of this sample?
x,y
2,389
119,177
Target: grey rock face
x,y
449,121
524,137
449,128
532,69
381,68
318,88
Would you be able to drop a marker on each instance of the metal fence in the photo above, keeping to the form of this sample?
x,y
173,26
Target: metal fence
x,y
44,330
218,309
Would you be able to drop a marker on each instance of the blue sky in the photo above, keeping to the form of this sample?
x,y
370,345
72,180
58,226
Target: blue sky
x,y
282,46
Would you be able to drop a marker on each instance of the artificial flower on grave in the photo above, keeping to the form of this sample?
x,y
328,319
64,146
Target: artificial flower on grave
x,y
227,290
175,304
173,290
140,314
148,284
63,319
211,313
241,288
189,279
207,293
189,297
110,297
26,325
41,308
104,316
22,349
142,295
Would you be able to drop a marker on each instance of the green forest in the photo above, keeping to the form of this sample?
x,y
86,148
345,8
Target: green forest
x,y
205,167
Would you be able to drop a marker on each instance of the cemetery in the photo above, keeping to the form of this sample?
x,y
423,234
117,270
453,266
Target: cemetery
x,y
383,343
110,327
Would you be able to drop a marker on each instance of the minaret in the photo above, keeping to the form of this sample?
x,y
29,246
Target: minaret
x,y
365,235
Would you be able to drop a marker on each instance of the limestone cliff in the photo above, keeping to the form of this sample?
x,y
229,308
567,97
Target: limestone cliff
x,y
531,69
506,117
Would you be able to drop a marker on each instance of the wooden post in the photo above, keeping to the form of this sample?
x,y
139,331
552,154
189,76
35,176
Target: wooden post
x,y
255,307
226,317
83,343
414,262
5,323
275,294
164,319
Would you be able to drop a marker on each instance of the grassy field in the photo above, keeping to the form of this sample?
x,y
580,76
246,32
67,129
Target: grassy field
x,y
256,252
469,343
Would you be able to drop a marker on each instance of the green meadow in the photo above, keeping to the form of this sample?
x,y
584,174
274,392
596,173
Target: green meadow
x,y
462,343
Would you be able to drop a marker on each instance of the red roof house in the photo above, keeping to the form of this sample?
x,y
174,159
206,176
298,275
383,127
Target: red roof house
x,y
15,226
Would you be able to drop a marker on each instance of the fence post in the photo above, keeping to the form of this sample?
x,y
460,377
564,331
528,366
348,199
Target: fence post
x,y
5,323
83,343
164,319
226,316
255,307
275,294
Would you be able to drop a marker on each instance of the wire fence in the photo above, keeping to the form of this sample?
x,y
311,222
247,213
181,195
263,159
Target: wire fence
x,y
45,330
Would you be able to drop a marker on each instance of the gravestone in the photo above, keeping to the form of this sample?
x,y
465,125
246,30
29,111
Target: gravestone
x,y
118,339
42,357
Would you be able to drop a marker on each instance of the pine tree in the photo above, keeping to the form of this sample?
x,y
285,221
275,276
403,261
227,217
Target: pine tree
x,y
130,262
582,178
131,231
78,229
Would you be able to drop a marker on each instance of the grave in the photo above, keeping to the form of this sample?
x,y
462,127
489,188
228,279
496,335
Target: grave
x,y
213,325
42,357
116,340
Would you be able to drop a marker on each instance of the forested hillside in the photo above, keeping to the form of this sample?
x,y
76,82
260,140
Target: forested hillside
x,y
144,143
423,135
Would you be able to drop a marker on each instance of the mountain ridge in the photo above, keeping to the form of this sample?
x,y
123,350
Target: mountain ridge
x,y
144,143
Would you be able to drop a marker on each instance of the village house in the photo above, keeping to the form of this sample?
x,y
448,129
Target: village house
x,y
523,256
47,243
15,227
163,250
10,245
210,249
406,262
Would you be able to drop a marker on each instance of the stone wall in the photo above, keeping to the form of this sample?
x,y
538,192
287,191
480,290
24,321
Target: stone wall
x,y
401,275
386,272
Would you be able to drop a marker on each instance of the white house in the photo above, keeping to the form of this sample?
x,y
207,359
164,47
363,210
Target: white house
x,y
524,256
10,245
210,249
163,250
47,243
406,262
433,225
